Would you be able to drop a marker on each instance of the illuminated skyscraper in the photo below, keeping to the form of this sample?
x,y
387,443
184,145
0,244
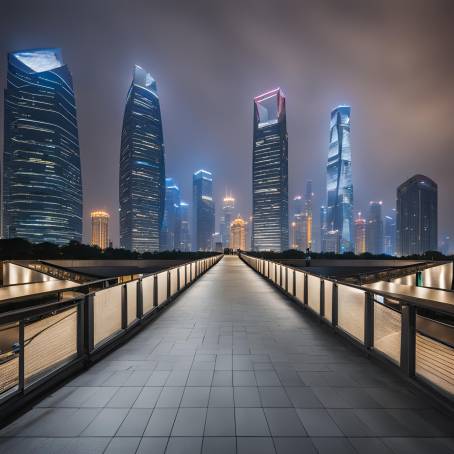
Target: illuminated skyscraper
x,y
228,207
203,210
270,173
323,227
171,225
238,234
185,230
42,183
374,229
308,203
339,179
390,234
142,171
417,213
298,224
100,229
360,235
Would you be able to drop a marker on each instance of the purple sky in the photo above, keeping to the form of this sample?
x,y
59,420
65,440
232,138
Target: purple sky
x,y
392,61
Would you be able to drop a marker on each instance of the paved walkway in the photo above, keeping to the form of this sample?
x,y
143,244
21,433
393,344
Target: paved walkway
x,y
232,366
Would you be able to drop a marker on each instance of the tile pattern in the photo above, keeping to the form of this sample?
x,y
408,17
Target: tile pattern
x,y
233,367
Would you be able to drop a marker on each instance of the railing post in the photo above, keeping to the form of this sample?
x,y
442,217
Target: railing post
x,y
168,284
268,272
306,290
155,290
178,279
185,274
80,328
294,283
280,276
275,274
89,324
335,304
139,302
408,340
286,279
124,307
369,320
21,355
322,298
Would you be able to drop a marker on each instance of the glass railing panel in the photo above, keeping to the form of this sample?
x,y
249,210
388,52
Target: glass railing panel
x,y
299,276
131,290
438,276
272,272
350,317
435,360
290,281
173,281
107,313
387,330
9,357
313,293
328,300
162,287
278,275
49,343
147,293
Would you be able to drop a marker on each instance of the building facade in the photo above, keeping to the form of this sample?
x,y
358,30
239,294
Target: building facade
x,y
42,182
203,215
171,224
389,229
417,216
270,227
100,229
360,235
228,207
298,224
185,228
142,169
238,234
374,228
308,205
339,179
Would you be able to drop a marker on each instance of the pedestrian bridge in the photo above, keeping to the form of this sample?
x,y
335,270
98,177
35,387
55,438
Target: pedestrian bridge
x,y
235,364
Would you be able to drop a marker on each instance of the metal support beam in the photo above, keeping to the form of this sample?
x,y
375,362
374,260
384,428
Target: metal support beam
x,y
408,340
334,306
369,320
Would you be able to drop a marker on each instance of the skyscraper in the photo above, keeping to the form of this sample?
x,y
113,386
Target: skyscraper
x,y
228,206
298,224
238,234
270,173
142,170
390,234
339,179
360,235
203,210
171,225
417,213
323,227
42,183
308,203
100,229
185,230
374,229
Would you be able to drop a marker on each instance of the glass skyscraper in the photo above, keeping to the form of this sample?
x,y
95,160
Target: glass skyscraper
x,y
374,229
142,170
170,232
185,231
42,182
203,210
339,179
389,229
417,213
270,229
228,207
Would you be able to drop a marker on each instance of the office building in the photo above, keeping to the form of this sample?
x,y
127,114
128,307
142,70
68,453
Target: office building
x,y
238,234
42,182
390,233
100,229
171,224
323,227
185,228
228,207
270,228
203,217
142,169
298,224
339,179
374,228
308,205
360,235
417,216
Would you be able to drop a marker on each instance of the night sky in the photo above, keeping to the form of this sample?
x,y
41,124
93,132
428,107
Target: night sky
x,y
392,61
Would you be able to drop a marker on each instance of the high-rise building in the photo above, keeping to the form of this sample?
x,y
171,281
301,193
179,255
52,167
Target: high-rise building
x,y
298,224
100,229
185,230
374,228
308,204
142,170
238,234
446,245
42,182
417,212
270,173
228,206
360,235
171,224
339,179
390,234
323,227
203,210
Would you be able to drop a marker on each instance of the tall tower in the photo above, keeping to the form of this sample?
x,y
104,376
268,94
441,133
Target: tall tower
x,y
374,229
228,207
185,230
389,230
142,170
203,210
339,179
42,182
100,229
270,173
360,235
417,216
238,234
170,231
308,204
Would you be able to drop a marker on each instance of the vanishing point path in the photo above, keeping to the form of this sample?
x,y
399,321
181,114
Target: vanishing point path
x,y
232,366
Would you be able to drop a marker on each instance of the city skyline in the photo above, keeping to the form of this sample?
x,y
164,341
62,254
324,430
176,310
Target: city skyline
x,y
382,135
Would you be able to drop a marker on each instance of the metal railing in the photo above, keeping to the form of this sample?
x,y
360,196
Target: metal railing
x,y
386,325
41,345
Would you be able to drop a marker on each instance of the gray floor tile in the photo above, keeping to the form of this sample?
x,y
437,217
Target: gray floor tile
x,y
318,423
244,378
420,445
184,445
255,445
382,424
152,445
148,397
170,397
220,422
222,378
177,378
247,397
195,396
284,422
274,396
124,397
123,445
158,378
349,423
292,445
251,422
303,397
267,378
135,423
370,446
333,445
161,422
221,397
106,423
219,445
200,378
190,422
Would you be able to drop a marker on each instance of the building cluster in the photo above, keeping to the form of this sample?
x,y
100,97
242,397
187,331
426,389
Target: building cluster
x,y
42,182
